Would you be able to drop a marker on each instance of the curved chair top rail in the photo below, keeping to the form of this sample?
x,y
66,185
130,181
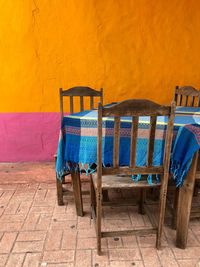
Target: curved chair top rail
x,y
81,91
187,90
137,107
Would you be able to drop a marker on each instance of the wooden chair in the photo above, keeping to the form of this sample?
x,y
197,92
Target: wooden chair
x,y
80,92
75,92
186,96
111,177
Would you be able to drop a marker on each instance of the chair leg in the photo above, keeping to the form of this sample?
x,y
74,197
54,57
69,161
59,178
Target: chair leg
x,y
175,209
59,192
98,222
142,201
76,183
163,194
59,188
92,197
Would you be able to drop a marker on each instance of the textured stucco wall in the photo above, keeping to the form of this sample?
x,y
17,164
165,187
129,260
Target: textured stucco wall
x,y
131,48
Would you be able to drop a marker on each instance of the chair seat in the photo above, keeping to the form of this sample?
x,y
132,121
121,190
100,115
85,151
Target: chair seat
x,y
122,181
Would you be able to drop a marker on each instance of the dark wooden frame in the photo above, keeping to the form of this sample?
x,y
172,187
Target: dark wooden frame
x,y
81,92
133,108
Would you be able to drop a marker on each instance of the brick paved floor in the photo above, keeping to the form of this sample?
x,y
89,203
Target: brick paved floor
x,y
34,231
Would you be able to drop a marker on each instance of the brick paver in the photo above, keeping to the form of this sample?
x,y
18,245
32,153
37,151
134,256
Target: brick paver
x,y
35,231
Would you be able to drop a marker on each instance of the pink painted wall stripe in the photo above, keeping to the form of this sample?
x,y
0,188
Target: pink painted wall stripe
x,y
28,136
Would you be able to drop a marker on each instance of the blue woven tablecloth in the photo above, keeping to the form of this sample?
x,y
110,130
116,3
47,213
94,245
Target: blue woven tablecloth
x,y
78,141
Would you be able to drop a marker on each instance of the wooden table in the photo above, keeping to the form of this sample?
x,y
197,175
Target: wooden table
x,y
73,125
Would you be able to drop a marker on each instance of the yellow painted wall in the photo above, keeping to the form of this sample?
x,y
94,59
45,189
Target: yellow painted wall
x,y
131,48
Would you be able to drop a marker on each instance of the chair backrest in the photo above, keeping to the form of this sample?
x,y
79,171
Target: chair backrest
x,y
187,96
79,91
134,108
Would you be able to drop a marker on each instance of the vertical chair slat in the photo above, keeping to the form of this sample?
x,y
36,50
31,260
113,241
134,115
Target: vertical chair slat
x,y
185,100
101,96
71,105
168,138
81,103
176,99
198,103
151,140
134,131
116,142
180,100
192,101
176,96
91,102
